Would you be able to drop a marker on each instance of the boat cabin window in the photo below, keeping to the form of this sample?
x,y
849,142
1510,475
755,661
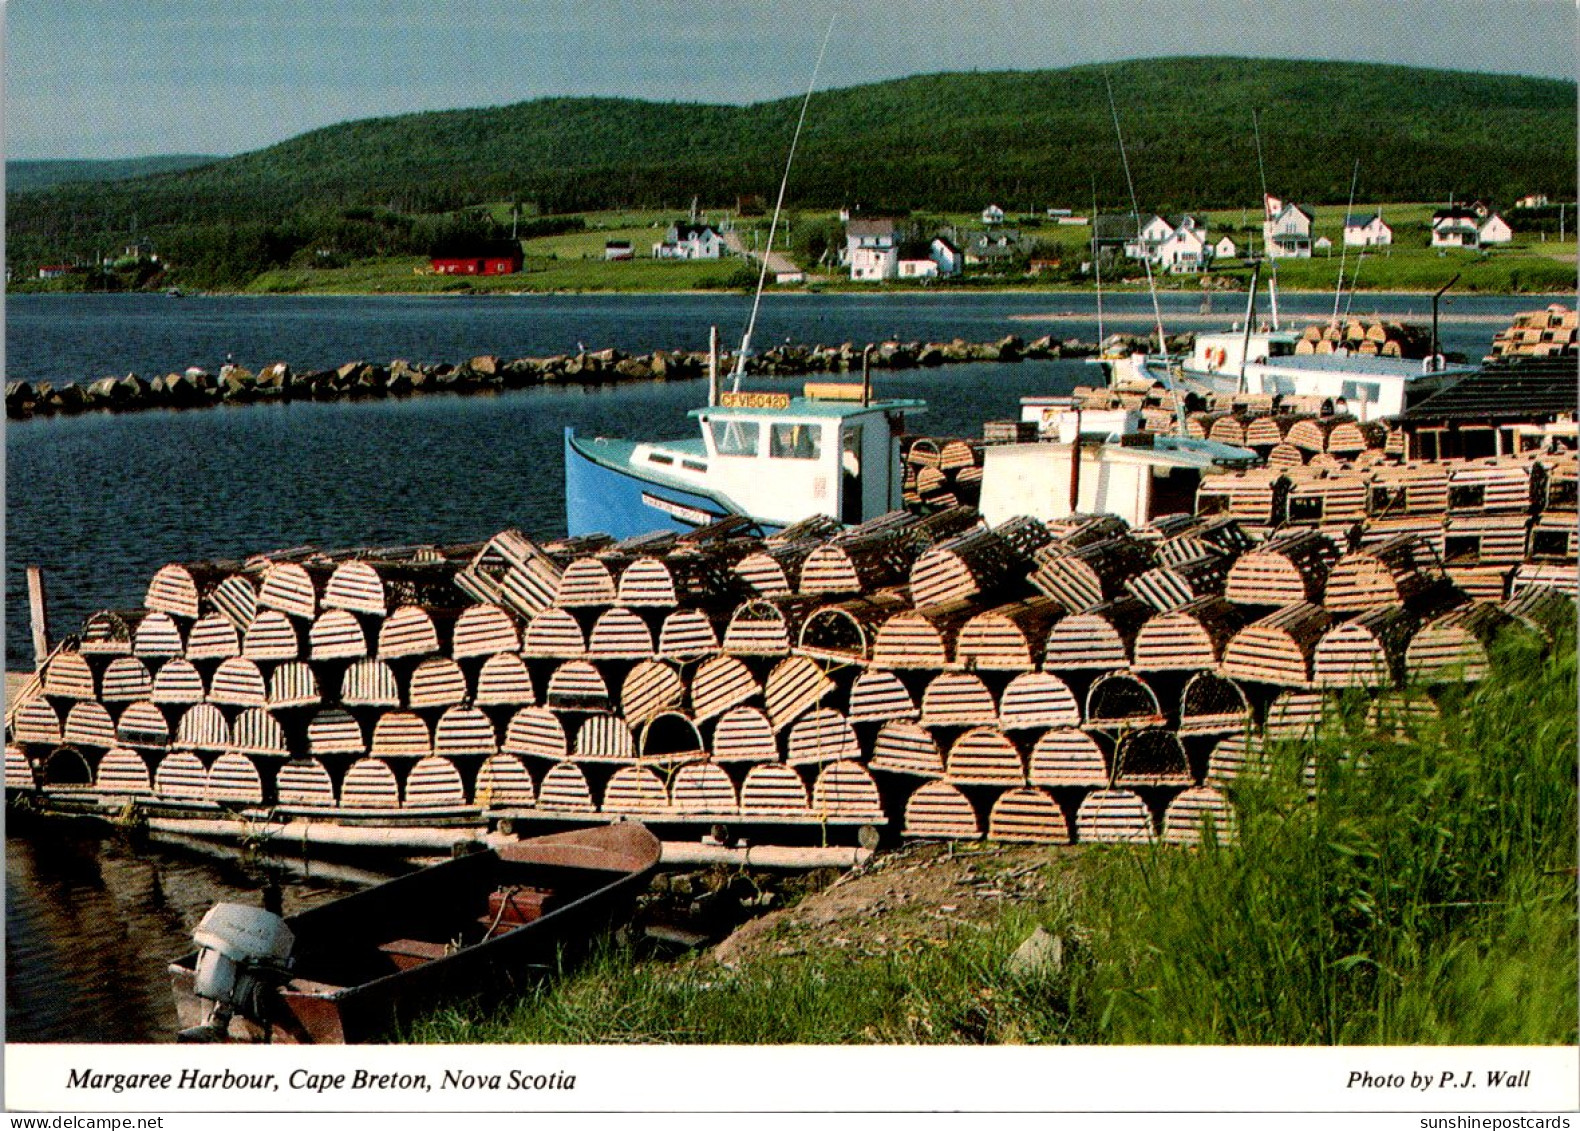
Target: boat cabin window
x,y
661,459
1278,385
795,441
1562,494
1280,349
735,437
1467,497
1364,392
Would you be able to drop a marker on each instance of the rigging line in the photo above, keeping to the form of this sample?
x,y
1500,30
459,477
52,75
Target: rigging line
x,y
1097,268
1146,260
1267,251
1135,211
1344,243
762,276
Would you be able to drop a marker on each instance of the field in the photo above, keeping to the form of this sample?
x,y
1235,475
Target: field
x,y
574,261
1405,884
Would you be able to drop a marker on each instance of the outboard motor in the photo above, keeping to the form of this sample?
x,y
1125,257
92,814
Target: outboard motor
x,y
243,952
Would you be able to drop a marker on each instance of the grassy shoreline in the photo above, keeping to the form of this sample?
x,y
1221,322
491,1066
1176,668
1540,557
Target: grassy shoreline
x,y
1410,883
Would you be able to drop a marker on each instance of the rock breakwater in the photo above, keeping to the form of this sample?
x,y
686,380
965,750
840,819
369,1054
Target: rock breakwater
x,y
279,381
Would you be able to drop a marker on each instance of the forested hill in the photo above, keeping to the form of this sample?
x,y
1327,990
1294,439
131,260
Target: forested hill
x,y
30,176
942,142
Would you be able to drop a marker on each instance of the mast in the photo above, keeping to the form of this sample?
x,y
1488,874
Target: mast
x,y
1344,243
1267,250
773,227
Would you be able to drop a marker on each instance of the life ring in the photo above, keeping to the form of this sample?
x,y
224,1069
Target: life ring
x,y
1216,357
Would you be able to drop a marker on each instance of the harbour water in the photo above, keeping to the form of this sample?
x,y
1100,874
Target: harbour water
x,y
102,501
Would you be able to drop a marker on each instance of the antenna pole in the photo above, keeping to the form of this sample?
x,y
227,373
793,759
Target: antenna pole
x,y
713,366
762,276
1267,221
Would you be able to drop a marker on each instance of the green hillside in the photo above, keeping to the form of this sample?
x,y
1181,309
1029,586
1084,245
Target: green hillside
x,y
30,176
948,142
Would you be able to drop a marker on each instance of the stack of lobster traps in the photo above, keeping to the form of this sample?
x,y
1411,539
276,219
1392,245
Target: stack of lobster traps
x,y
1074,681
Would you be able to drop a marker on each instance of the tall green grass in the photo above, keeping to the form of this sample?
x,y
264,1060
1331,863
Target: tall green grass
x,y
1399,881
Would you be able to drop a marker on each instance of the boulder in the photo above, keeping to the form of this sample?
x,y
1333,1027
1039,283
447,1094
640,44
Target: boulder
x,y
69,399
485,364
633,369
1010,348
276,375
1041,954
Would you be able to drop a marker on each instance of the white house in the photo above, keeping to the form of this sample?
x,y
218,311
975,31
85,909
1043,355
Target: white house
x,y
1323,244
1225,248
1149,240
1367,231
992,214
1457,226
950,259
1184,252
618,249
1494,230
1287,231
872,249
918,269
690,241
1533,200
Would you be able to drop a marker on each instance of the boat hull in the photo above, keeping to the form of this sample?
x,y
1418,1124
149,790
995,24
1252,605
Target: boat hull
x,y
602,497
359,971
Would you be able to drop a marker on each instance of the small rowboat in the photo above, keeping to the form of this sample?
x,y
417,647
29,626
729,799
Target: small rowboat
x,y
479,924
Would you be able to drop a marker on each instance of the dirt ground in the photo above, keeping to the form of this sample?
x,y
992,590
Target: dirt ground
x,y
900,900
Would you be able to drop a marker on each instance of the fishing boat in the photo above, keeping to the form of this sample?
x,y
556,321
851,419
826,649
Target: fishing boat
x,y
350,970
773,457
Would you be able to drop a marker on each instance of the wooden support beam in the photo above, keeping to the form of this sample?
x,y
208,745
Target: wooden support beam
x,y
38,614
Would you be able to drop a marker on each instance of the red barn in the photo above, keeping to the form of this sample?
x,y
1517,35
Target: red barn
x,y
478,257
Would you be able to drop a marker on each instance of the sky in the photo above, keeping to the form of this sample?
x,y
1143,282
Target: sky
x,y
107,78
